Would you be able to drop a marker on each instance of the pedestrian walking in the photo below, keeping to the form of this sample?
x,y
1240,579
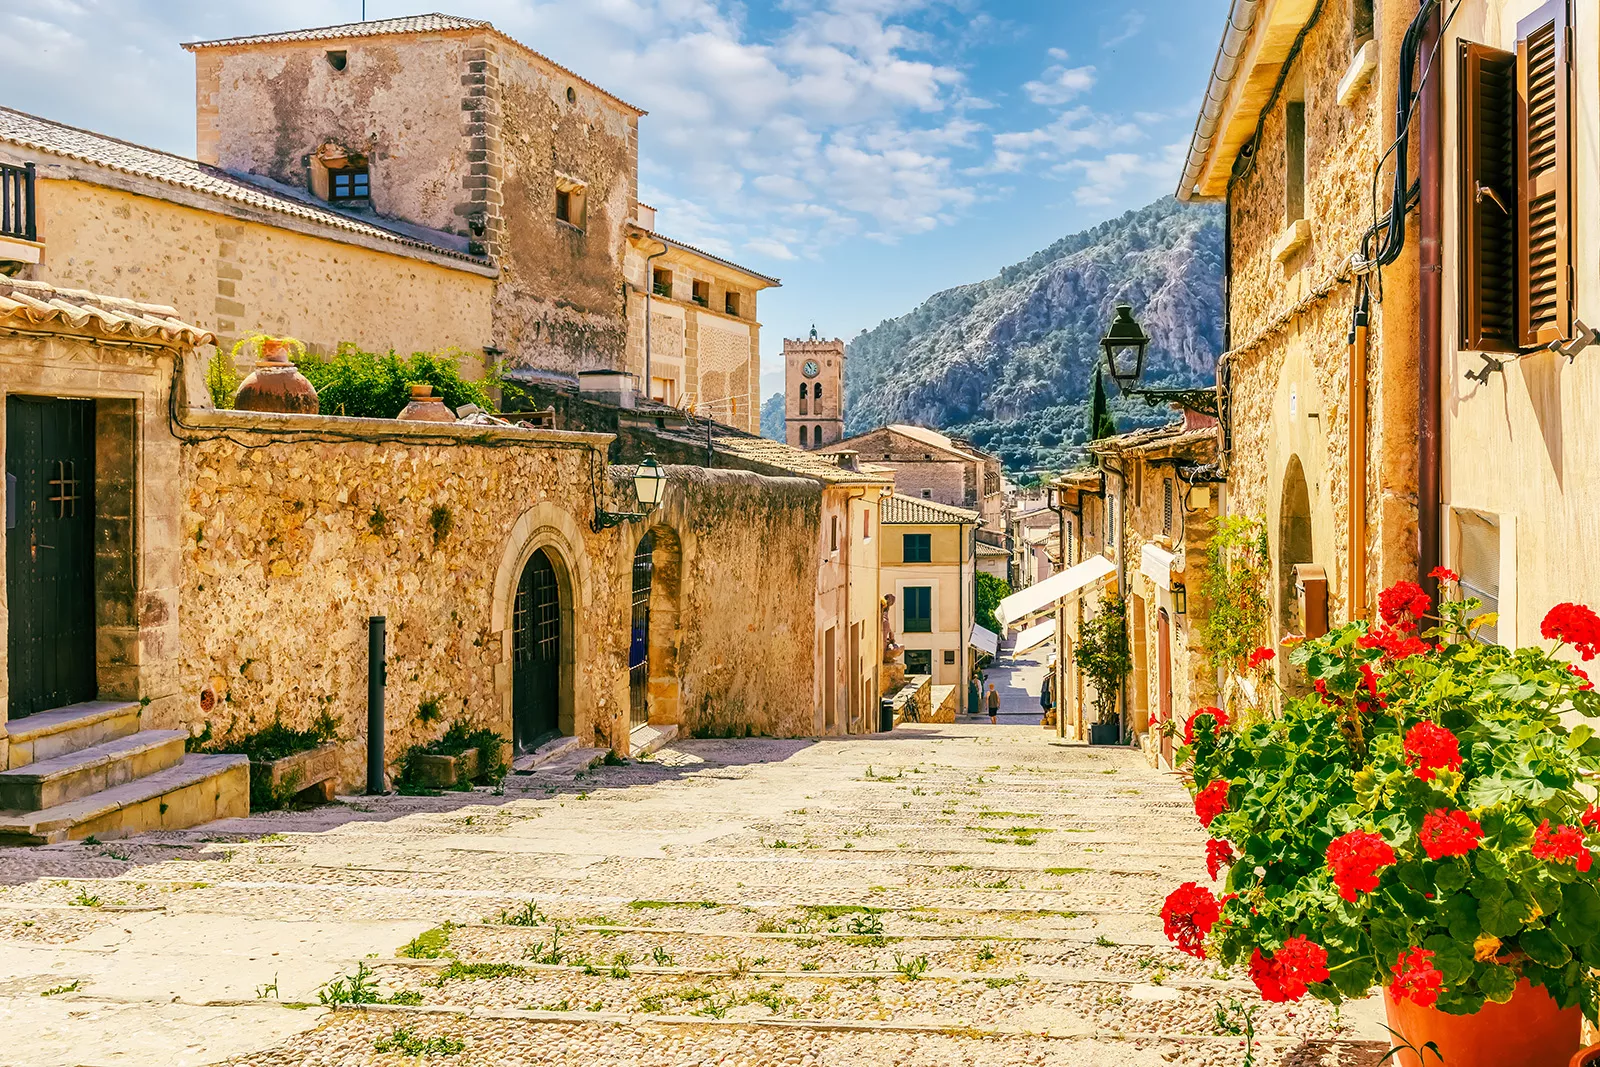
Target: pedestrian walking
x,y
994,705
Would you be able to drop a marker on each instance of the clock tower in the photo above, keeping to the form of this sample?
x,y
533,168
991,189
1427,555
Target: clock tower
x,y
813,399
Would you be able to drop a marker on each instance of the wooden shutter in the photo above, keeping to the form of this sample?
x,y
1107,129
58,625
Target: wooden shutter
x,y
1544,174
1488,196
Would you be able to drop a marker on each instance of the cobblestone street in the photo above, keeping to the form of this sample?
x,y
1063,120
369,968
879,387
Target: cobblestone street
x,y
946,895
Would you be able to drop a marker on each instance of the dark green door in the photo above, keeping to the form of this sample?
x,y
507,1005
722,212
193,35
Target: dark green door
x,y
536,654
49,552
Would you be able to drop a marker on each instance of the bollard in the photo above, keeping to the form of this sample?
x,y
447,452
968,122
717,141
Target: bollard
x,y
377,675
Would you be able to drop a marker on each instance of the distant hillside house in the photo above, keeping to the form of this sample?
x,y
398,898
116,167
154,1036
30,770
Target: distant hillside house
x,y
929,465
422,182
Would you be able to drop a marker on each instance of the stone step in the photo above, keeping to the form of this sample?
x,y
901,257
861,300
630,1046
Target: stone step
x,y
49,783
527,762
648,739
199,789
571,763
69,729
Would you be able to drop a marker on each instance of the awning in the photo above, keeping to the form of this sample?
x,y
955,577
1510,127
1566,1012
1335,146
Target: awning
x,y
1045,595
1034,636
1156,563
984,640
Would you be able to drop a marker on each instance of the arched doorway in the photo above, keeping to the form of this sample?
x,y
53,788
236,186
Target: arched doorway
x,y
639,634
536,654
1294,540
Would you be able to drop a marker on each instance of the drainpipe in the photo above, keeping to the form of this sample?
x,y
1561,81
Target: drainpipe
x,y
1356,405
1430,175
649,291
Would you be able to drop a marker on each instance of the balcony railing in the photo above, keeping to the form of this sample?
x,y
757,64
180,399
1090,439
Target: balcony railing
x,y
16,202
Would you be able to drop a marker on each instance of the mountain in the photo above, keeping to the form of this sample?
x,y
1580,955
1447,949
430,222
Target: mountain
x,y
773,423
1007,362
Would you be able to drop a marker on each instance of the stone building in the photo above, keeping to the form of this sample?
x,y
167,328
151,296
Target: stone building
x,y
411,183
1323,407
928,560
929,465
813,393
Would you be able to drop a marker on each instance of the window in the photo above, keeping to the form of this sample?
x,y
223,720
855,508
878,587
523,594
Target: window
x,y
1516,261
730,303
348,183
702,294
949,656
816,390
661,282
336,59
1360,22
1166,505
919,661
927,494
1295,147
570,201
805,409
866,525
833,533
816,435
803,437
1478,557
918,616
917,548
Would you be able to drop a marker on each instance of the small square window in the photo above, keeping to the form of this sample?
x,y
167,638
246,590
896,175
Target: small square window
x,y
661,282
927,494
702,294
563,205
919,661
949,656
917,548
349,183
570,201
730,303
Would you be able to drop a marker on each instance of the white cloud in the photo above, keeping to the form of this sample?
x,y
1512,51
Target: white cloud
x,y
1128,29
1059,84
1108,180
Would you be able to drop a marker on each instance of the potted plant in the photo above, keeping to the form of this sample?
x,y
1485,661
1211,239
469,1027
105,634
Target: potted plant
x,y
1102,654
1416,821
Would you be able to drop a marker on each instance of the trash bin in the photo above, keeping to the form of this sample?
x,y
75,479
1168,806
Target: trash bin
x,y
885,715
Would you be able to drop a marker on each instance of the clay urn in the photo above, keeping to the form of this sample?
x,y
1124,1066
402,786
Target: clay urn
x,y
425,407
276,384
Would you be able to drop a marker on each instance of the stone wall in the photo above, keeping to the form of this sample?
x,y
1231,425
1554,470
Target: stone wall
x,y
1289,371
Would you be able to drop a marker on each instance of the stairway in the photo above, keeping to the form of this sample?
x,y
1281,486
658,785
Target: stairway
x,y
89,770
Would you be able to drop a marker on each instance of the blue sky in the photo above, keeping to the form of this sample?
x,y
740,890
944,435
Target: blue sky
x,y
868,152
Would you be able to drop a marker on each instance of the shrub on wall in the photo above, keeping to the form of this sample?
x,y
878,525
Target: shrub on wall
x,y
377,386
991,591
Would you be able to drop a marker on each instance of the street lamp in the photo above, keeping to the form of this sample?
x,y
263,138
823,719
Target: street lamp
x,y
649,485
1125,344
1180,598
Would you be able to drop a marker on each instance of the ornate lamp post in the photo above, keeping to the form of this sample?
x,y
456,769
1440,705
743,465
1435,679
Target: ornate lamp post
x,y
649,485
1125,344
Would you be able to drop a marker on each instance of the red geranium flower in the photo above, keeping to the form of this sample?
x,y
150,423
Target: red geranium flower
x,y
1448,833
1219,854
1212,801
1444,574
1355,860
1188,916
1581,673
1219,719
1560,845
1590,819
1402,604
1576,625
1432,748
1416,978
1299,963
1260,656
1395,643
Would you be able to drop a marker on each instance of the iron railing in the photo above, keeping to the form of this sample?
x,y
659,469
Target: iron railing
x,y
16,202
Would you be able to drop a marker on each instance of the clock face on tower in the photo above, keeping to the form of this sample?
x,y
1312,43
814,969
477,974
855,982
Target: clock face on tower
x,y
810,370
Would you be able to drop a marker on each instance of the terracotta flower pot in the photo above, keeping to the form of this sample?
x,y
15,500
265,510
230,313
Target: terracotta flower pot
x,y
425,407
1526,1031
1589,1057
276,384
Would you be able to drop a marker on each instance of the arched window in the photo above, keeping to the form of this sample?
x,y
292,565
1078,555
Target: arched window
x,y
802,390
816,391
803,436
816,435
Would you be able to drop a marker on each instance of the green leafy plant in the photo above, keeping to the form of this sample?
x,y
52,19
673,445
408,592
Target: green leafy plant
x,y
990,591
70,987
1236,590
430,944
1103,655
222,378
377,386
358,988
1419,818
911,969
407,1043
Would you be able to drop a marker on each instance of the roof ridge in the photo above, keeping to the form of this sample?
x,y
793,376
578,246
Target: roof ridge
x,y
241,37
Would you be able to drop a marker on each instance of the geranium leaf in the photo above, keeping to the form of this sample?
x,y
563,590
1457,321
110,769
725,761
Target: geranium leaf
x,y
1577,922
1451,876
1452,957
1487,792
1497,982
1499,912
1542,947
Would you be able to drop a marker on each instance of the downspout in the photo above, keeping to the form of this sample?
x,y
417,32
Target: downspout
x,y
1430,175
649,292
1356,404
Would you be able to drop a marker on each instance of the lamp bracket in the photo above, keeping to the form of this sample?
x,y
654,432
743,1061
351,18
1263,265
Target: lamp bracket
x,y
1201,401
604,520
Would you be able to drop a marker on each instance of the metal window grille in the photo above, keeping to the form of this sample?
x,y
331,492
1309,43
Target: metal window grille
x,y
1166,505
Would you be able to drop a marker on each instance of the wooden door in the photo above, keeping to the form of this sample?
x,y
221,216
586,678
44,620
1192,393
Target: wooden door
x,y
536,654
1164,680
50,552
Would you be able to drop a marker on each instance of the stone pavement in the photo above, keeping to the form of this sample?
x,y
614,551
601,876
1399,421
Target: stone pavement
x,y
944,895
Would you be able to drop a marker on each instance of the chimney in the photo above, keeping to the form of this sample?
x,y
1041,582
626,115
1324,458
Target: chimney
x,y
848,458
612,387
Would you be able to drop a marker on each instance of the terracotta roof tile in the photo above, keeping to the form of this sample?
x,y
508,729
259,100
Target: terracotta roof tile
x,y
908,509
26,305
43,135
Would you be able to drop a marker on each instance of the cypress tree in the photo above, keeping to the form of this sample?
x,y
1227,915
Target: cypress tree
x,y
1101,424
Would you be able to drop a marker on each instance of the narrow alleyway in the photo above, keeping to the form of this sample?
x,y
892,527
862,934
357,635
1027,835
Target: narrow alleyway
x,y
947,895
1018,680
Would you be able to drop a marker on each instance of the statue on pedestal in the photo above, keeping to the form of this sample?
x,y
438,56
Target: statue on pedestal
x,y
891,649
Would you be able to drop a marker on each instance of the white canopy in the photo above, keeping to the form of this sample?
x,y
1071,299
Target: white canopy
x,y
1045,595
984,640
1034,636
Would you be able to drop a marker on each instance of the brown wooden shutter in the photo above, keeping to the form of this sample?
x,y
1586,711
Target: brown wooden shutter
x,y
1544,174
1488,197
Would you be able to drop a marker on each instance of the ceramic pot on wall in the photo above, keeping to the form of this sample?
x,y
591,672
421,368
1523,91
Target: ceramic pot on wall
x,y
276,384
425,407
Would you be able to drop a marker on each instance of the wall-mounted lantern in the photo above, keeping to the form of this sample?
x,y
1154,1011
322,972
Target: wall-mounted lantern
x,y
1180,598
1125,344
649,485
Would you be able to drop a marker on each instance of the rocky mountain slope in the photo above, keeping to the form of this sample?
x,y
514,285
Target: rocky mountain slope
x,y
1007,361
